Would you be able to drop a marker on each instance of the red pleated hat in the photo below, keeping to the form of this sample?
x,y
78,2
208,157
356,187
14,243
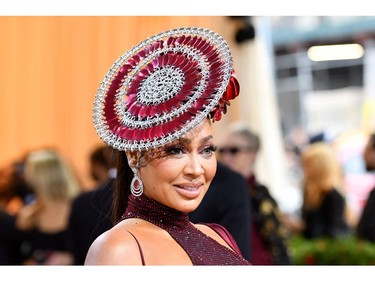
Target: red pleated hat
x,y
163,87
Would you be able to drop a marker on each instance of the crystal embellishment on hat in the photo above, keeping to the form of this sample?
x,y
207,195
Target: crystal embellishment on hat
x,y
163,87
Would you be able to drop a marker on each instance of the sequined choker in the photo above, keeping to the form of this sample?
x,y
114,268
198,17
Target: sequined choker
x,y
201,249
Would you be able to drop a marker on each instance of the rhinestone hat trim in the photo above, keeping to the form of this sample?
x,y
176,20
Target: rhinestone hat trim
x,y
162,88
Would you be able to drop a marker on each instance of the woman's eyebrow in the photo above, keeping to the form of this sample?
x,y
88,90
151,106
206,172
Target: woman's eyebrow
x,y
187,140
206,139
184,140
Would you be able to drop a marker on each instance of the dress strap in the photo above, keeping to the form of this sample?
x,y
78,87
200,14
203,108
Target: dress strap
x,y
139,247
224,233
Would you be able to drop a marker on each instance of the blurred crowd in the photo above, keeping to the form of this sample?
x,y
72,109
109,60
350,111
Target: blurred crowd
x,y
47,217
37,194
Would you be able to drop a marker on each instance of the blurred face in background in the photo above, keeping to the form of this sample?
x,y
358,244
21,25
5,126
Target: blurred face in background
x,y
321,167
50,176
236,153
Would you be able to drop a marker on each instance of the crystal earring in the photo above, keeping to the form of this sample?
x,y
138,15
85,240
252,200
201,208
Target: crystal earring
x,y
136,185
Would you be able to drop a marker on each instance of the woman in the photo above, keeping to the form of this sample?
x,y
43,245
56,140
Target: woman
x,y
324,210
44,222
156,104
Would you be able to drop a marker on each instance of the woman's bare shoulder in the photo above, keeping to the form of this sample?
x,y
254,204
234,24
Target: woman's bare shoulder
x,y
114,247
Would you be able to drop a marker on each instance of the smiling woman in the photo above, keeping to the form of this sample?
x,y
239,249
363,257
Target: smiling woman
x,y
156,105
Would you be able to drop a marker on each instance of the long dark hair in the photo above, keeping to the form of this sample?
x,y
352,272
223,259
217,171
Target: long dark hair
x,y
122,187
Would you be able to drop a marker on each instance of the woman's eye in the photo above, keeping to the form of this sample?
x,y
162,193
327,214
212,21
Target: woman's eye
x,y
209,150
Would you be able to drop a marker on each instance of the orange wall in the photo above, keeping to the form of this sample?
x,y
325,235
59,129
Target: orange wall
x,y
50,70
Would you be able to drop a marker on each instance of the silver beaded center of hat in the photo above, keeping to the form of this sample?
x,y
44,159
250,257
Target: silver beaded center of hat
x,y
161,85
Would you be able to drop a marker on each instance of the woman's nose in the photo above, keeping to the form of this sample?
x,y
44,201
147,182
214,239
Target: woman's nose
x,y
194,166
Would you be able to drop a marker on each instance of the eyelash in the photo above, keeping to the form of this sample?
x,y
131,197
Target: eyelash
x,y
211,148
173,150
176,150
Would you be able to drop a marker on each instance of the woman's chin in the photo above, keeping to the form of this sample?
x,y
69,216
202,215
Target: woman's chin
x,y
191,205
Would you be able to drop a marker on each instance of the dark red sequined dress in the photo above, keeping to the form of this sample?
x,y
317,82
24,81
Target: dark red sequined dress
x,y
201,249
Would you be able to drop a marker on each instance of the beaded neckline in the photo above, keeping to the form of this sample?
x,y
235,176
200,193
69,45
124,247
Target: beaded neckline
x,y
152,211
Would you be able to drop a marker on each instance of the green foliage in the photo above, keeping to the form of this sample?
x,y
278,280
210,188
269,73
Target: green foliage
x,y
327,251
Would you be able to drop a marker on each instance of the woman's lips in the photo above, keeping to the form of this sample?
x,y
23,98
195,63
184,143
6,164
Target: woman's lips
x,y
189,190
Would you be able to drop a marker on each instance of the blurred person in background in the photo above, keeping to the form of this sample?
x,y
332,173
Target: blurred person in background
x,y
102,166
9,240
91,213
43,223
14,191
238,150
226,202
324,211
366,226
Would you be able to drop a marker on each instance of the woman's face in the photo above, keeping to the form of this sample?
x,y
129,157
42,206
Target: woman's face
x,y
181,176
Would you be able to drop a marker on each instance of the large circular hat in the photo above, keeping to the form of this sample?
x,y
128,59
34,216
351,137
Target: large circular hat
x,y
163,87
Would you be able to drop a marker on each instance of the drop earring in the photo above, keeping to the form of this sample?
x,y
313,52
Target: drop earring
x,y
136,185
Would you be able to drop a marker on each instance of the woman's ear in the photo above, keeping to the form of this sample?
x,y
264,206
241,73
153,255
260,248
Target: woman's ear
x,y
132,159
136,159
